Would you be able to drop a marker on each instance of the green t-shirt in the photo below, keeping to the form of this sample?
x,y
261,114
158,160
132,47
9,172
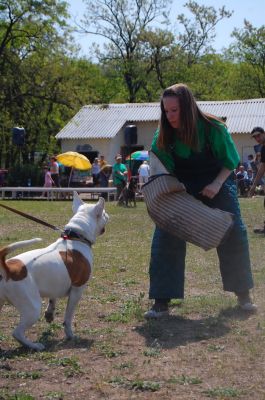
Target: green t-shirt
x,y
117,178
219,138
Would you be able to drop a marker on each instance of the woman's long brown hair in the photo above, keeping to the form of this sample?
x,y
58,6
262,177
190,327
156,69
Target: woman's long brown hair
x,y
189,115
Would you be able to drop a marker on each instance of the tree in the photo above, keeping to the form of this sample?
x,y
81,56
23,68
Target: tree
x,y
249,49
199,33
125,25
28,36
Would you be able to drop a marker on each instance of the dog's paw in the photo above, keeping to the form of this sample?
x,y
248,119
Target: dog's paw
x,y
48,317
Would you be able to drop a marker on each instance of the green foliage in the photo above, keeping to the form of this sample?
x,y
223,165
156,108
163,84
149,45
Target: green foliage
x,y
20,175
44,82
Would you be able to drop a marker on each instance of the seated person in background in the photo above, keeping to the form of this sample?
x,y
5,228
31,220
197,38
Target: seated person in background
x,y
242,180
250,176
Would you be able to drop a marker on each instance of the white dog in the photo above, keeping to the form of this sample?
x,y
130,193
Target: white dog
x,y
59,270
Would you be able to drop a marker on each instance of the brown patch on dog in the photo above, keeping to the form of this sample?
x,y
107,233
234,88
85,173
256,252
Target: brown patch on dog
x,y
77,266
16,270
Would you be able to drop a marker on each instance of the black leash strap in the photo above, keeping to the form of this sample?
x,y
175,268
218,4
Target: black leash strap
x,y
39,221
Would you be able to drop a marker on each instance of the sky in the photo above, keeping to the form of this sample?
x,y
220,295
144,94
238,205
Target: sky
x,y
252,10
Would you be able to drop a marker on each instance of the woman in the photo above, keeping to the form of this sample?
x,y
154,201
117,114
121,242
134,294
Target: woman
x,y
198,150
54,169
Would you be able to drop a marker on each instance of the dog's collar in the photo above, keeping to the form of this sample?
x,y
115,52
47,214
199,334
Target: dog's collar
x,y
69,234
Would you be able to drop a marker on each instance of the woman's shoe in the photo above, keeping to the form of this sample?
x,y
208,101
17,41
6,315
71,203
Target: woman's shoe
x,y
245,303
159,309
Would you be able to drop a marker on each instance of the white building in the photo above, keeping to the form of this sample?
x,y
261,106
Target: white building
x,y
100,129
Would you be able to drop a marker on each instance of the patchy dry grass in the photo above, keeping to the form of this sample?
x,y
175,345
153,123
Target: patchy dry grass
x,y
207,348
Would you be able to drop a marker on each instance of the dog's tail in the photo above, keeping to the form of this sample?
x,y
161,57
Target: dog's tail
x,y
18,245
4,251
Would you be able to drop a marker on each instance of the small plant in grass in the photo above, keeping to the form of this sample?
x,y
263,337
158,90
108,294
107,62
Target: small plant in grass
x,y
145,386
71,364
185,380
108,351
125,365
130,282
54,395
153,352
138,384
131,309
17,396
215,348
50,332
223,393
23,375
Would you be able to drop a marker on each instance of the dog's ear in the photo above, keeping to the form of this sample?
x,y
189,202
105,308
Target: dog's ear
x,y
99,207
77,202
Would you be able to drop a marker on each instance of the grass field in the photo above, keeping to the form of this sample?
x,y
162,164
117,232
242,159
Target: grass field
x,y
206,349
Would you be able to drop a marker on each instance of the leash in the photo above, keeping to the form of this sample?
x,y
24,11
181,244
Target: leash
x,y
39,221
67,234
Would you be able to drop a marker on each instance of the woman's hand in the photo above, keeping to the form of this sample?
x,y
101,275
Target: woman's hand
x,y
212,189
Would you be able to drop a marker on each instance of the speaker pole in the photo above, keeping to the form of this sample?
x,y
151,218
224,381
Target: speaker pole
x,y
130,163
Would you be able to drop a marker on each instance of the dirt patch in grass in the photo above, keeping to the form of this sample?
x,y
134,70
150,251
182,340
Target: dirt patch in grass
x,y
207,348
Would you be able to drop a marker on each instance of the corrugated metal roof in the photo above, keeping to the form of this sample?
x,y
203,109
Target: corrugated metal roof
x,y
105,121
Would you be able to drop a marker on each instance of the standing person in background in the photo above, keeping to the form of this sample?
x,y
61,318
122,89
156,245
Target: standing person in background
x,y
95,171
119,174
258,134
144,173
255,168
104,176
102,161
48,181
197,148
54,169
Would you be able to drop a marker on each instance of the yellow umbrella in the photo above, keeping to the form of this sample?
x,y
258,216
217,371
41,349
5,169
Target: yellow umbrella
x,y
74,160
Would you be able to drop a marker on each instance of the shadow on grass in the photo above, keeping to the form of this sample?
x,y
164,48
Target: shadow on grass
x,y
174,331
51,346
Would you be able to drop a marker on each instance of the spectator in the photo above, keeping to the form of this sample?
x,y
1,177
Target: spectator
x,y
119,173
104,176
144,173
242,180
102,161
48,181
258,134
255,167
95,171
54,169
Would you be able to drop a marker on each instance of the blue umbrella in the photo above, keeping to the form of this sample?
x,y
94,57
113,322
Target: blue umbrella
x,y
139,155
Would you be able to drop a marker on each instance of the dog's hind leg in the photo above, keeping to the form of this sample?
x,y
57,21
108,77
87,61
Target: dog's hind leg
x,y
29,314
49,312
73,299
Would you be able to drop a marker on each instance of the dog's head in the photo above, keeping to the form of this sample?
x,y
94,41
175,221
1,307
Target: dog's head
x,y
89,220
133,184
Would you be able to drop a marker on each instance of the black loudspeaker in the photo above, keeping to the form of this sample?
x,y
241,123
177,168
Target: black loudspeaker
x,y
18,136
130,135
